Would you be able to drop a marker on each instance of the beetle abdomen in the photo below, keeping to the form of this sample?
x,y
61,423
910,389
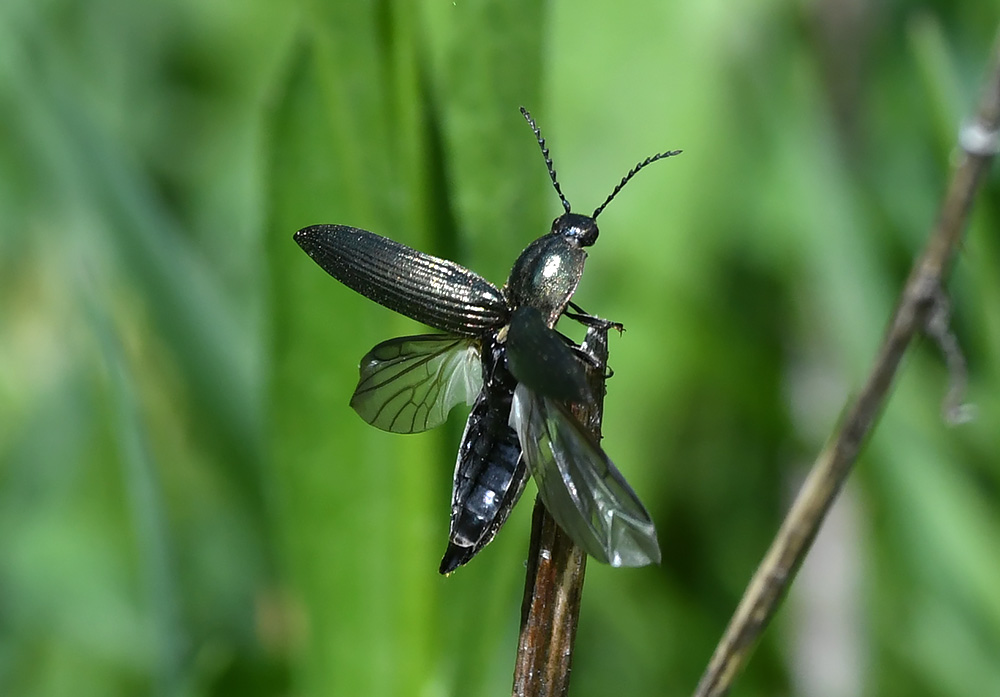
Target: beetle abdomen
x,y
489,473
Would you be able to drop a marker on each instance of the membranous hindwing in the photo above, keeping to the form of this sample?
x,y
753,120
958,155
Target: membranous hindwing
x,y
410,384
580,486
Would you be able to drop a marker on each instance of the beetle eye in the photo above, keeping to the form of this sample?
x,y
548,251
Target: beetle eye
x,y
588,232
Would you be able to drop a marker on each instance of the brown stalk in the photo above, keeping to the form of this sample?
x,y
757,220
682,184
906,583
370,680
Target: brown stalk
x,y
553,586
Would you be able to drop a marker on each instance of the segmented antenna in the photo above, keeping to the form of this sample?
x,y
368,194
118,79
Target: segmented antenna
x,y
632,173
548,160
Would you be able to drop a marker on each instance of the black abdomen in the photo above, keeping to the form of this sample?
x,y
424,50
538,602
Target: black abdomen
x,y
489,472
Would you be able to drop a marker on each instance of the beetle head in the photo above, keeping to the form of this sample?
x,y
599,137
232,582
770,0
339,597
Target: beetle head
x,y
581,229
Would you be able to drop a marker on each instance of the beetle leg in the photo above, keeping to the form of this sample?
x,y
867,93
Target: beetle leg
x,y
587,357
589,320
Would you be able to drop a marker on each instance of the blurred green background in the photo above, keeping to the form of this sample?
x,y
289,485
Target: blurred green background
x,y
189,507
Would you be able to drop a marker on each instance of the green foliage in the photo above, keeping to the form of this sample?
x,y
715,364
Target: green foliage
x,y
189,507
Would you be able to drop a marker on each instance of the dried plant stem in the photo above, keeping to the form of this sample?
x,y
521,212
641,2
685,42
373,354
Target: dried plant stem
x,y
922,297
554,582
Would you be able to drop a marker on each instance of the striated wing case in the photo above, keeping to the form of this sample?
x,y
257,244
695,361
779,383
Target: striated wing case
x,y
437,292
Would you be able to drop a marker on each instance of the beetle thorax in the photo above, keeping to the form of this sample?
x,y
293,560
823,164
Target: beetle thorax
x,y
546,274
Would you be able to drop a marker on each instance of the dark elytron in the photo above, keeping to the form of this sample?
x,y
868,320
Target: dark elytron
x,y
503,355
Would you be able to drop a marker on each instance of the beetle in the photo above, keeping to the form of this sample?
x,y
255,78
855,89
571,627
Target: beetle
x,y
501,354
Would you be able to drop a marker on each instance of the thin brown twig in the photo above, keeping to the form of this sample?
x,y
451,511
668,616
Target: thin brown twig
x,y
922,294
553,586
